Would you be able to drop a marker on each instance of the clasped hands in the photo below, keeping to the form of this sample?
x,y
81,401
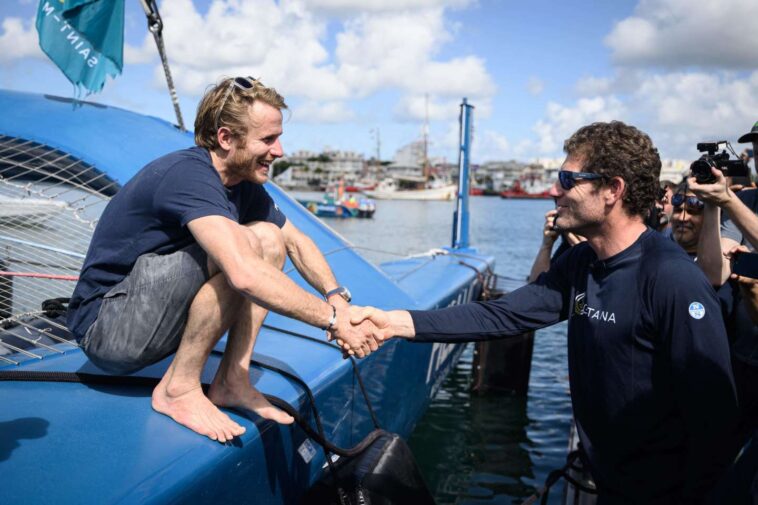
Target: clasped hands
x,y
360,330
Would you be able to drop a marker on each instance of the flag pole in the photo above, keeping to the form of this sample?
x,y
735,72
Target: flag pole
x,y
155,25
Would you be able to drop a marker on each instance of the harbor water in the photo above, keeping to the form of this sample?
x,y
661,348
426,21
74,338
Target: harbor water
x,y
481,449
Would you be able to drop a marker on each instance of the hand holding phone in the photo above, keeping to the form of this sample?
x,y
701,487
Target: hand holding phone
x,y
745,264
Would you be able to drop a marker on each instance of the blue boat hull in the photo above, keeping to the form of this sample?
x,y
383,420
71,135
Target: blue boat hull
x,y
78,443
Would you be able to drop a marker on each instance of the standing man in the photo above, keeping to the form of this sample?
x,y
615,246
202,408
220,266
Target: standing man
x,y
192,247
651,385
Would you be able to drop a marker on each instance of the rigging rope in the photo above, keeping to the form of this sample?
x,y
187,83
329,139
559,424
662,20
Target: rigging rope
x,y
155,25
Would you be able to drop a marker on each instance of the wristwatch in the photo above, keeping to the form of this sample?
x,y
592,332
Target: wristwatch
x,y
342,291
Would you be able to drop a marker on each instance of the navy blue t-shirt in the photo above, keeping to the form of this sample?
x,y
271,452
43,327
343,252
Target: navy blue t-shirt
x,y
651,382
150,215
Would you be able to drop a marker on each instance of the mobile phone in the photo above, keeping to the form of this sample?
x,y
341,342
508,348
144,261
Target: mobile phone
x,y
746,265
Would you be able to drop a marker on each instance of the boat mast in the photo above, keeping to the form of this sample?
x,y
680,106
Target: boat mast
x,y
461,215
155,25
425,168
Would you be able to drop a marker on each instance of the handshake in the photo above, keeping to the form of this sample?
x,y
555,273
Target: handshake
x,y
359,331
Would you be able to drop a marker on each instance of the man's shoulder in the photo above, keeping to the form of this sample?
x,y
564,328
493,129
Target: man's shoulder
x,y
190,157
662,256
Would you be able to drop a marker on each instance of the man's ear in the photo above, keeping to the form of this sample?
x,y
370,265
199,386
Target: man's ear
x,y
616,188
225,138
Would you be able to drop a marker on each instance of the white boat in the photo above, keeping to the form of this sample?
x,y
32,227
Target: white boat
x,y
390,189
28,211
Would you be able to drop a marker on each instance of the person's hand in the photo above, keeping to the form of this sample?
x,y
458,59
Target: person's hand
x,y
549,233
379,318
359,339
573,239
744,282
717,193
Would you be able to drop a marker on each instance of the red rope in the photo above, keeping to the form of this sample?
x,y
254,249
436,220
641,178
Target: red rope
x,y
40,276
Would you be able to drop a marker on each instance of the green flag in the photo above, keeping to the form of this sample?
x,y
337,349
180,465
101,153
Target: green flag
x,y
85,38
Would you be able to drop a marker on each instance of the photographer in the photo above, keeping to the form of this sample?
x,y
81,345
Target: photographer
x,y
716,247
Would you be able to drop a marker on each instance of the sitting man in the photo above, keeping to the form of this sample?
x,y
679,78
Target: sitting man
x,y
651,383
192,247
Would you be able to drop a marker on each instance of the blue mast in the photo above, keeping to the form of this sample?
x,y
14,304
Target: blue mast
x,y
461,215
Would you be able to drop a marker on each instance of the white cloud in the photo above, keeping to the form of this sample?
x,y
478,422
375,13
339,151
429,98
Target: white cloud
x,y
322,112
491,145
535,85
18,39
680,34
146,53
394,48
681,109
416,108
677,109
562,121
592,86
352,6
397,50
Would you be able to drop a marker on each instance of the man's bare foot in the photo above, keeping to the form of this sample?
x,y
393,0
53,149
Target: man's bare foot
x,y
242,395
192,409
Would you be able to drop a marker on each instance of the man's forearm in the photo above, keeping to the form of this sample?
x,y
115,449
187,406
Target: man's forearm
x,y
745,219
311,264
709,254
541,262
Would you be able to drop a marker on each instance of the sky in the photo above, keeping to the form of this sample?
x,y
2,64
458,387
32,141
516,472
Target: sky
x,y
684,72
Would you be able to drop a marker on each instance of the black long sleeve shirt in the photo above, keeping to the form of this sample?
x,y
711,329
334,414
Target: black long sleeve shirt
x,y
651,382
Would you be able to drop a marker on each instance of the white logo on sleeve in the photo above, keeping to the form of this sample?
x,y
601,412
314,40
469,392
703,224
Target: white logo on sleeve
x,y
697,311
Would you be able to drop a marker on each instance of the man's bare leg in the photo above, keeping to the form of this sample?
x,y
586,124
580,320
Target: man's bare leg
x,y
231,387
179,394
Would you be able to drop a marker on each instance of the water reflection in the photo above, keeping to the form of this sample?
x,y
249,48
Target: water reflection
x,y
472,447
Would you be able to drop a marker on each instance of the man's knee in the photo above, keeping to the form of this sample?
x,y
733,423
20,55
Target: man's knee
x,y
270,240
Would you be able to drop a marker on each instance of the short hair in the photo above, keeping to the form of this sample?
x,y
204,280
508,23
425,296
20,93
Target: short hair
x,y
234,103
616,149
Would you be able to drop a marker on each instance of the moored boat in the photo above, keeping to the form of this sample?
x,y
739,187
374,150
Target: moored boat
x,y
102,443
391,189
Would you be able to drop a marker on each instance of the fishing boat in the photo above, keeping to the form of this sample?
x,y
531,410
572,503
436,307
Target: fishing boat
x,y
408,188
335,203
83,442
517,191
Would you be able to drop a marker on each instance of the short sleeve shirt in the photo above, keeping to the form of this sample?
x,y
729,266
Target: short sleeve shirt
x,y
150,215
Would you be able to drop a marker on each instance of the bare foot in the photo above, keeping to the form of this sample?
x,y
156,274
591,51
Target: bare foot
x,y
192,409
243,395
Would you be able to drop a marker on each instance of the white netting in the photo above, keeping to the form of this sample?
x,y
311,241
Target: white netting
x,y
49,205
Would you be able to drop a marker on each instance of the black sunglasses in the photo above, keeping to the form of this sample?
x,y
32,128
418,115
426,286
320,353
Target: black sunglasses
x,y
692,202
568,179
240,83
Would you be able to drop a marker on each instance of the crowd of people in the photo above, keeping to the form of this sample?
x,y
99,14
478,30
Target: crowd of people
x,y
662,341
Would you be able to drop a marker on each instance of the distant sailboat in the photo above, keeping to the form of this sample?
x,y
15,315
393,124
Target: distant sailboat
x,y
409,187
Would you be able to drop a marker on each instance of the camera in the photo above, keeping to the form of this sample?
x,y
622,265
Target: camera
x,y
701,168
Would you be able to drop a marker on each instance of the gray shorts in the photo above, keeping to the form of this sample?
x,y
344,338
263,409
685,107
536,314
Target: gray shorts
x,y
142,318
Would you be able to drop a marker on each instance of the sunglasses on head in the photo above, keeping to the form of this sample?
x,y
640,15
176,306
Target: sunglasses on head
x,y
568,179
237,82
692,201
